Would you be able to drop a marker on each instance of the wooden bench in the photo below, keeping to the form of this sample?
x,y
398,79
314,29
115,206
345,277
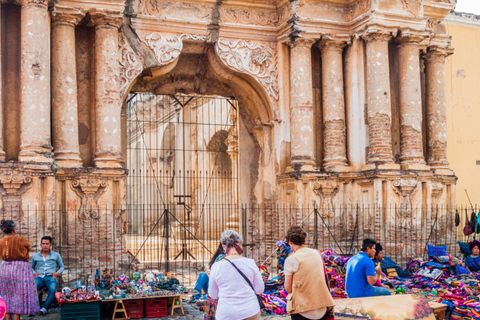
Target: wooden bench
x,y
438,309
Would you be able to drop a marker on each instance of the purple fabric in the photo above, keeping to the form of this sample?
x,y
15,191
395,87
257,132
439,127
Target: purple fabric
x,y
17,287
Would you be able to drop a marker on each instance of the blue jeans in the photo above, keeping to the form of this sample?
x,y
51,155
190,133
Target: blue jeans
x,y
201,284
51,284
380,291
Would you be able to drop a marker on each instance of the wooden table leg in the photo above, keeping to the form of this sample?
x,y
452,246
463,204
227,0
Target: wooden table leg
x,y
174,306
119,307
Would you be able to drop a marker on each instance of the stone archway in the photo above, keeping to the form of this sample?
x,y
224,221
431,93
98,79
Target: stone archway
x,y
196,67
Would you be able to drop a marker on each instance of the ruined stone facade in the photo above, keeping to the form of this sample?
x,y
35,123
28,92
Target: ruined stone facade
x,y
342,101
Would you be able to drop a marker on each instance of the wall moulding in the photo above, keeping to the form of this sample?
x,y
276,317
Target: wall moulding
x,y
254,59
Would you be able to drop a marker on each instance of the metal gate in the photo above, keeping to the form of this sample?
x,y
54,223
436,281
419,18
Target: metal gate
x,y
182,187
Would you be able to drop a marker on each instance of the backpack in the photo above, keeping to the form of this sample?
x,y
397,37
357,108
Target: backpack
x,y
467,230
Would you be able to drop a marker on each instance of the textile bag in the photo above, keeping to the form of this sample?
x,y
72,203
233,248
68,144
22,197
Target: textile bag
x,y
467,230
330,314
457,219
259,298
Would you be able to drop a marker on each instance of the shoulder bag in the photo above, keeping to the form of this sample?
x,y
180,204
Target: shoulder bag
x,y
260,302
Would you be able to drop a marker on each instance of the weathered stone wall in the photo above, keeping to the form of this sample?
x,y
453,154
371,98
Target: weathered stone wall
x,y
329,93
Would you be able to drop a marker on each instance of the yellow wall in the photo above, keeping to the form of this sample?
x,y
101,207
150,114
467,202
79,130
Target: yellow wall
x,y
462,73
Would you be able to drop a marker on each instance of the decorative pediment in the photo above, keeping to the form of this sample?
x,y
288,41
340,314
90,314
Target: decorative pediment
x,y
326,190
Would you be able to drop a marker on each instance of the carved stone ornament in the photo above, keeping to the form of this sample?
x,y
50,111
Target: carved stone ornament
x,y
412,6
130,65
89,190
249,16
326,190
13,185
166,49
257,60
437,189
405,188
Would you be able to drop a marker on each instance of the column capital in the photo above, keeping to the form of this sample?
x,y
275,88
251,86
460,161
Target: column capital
x,y
102,19
380,35
437,54
407,37
302,42
35,2
66,16
332,44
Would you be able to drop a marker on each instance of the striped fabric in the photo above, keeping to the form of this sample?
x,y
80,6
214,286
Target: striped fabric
x,y
17,287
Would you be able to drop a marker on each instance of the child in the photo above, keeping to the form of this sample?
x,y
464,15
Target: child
x,y
472,262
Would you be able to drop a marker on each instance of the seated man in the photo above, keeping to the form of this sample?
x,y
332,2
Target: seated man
x,y
362,275
44,265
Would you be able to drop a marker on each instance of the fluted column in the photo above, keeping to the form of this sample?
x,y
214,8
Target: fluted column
x,y
379,108
64,91
35,81
301,106
2,152
436,106
334,134
107,94
411,139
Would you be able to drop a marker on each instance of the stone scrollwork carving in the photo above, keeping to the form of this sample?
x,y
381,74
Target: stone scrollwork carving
x,y
252,16
405,188
89,190
326,190
166,49
12,186
412,6
130,65
257,60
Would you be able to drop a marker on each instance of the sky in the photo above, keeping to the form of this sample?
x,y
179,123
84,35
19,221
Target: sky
x,y
470,6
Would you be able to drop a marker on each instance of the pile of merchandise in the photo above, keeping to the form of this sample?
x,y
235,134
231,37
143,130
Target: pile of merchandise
x,y
106,287
437,279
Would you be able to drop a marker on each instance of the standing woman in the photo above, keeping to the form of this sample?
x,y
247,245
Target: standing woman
x,y
237,299
305,280
17,285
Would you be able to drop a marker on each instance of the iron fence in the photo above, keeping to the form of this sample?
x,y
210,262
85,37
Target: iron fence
x,y
167,241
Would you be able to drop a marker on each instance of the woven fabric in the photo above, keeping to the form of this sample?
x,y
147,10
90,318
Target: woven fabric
x,y
17,287
436,251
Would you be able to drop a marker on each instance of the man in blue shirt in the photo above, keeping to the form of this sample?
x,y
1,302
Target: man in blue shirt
x,y
44,265
362,275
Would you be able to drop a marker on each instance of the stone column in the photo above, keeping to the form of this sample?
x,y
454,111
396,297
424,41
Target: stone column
x,y
35,79
64,91
301,106
436,106
379,107
411,139
334,134
108,146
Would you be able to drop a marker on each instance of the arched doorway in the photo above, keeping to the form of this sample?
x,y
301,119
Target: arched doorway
x,y
182,188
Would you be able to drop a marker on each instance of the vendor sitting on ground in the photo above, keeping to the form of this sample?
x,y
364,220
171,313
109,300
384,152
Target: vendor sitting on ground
x,y
361,275
472,262
389,267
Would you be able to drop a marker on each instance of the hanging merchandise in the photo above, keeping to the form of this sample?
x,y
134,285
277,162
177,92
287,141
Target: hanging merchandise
x,y
467,230
457,219
477,225
473,221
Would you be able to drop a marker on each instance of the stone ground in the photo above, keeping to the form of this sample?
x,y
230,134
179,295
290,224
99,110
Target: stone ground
x,y
191,313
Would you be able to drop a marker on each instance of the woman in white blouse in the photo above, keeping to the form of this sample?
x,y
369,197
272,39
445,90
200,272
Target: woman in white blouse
x,y
236,298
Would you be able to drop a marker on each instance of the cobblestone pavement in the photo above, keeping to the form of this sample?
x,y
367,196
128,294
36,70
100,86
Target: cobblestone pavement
x,y
191,313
